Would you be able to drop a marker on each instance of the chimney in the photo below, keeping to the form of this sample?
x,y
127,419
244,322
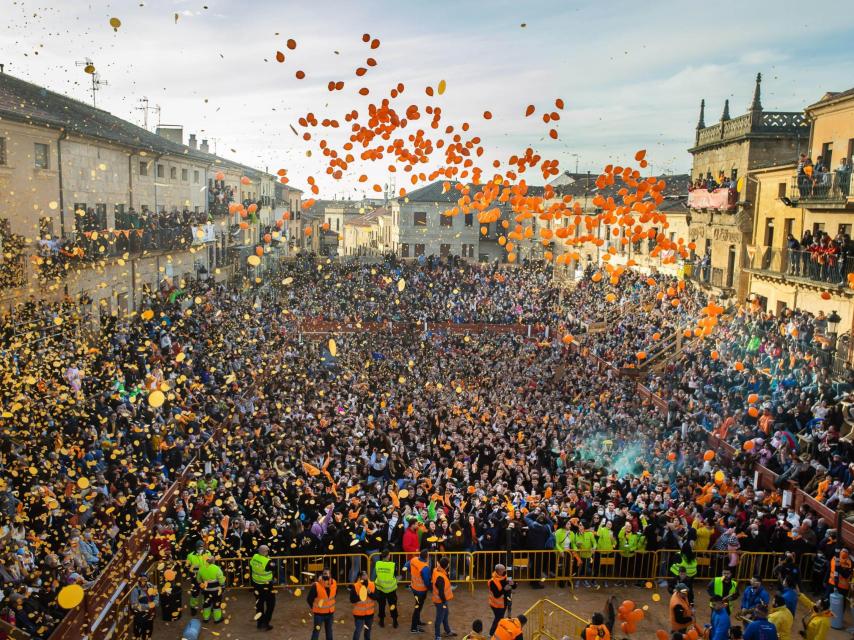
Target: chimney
x,y
173,132
204,146
192,141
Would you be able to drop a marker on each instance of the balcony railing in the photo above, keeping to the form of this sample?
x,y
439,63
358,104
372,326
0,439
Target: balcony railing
x,y
822,187
92,246
720,199
803,265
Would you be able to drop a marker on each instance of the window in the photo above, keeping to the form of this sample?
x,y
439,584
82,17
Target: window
x,y
42,156
195,177
468,251
404,250
445,221
2,150
143,167
827,155
338,224
101,213
173,173
444,250
733,175
419,250
46,227
185,175
781,189
161,171
419,219
845,229
469,219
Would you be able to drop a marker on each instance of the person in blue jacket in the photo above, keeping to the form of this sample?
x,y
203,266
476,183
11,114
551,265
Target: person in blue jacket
x,y
790,595
720,624
753,596
760,628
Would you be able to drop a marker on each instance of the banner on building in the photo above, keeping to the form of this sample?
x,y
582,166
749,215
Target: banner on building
x,y
203,234
717,199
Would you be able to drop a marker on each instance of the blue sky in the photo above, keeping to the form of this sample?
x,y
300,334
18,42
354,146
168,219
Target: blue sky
x,y
631,75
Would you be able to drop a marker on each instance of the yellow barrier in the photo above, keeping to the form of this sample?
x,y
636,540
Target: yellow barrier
x,y
549,620
459,570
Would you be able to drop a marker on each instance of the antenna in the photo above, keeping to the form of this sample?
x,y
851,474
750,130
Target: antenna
x,y
145,108
391,187
97,83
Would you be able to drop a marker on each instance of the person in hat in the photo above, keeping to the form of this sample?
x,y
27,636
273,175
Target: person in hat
x,y
760,628
681,611
500,587
143,603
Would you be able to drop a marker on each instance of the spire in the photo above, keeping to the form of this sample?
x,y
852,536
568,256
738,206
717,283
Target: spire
x,y
756,105
702,122
725,114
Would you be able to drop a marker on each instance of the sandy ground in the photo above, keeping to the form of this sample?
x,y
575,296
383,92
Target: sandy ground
x,y
292,619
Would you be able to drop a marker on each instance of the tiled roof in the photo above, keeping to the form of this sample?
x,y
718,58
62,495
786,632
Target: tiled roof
x,y
23,101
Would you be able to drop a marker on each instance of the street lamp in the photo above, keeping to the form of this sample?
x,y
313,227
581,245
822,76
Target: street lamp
x,y
833,321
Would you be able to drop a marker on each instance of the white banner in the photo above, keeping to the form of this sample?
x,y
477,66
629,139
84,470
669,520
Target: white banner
x,y
204,234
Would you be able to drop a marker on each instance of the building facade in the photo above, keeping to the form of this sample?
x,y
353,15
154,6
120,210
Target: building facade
x,y
723,195
803,253
99,209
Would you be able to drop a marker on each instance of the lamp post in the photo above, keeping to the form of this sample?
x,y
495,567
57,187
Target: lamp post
x,y
833,321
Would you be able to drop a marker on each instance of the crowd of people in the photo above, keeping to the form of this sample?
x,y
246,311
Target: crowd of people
x,y
420,440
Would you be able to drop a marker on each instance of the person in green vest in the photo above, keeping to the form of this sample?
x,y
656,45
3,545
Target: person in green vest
x,y
262,584
605,544
627,545
563,549
194,560
211,581
386,587
584,543
725,587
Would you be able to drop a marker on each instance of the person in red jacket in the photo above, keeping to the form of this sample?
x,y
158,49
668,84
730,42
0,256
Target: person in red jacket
x,y
411,543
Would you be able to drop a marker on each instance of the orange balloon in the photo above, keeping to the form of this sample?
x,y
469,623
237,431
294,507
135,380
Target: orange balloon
x,y
671,456
259,251
220,176
628,605
308,231
325,226
596,277
752,398
656,336
715,355
748,445
244,225
286,215
739,366
268,238
245,180
637,615
568,339
252,208
825,295
753,412
692,634
661,634
641,355
709,455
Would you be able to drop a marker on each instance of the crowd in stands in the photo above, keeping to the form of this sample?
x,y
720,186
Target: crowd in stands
x,y
408,441
710,183
819,256
819,180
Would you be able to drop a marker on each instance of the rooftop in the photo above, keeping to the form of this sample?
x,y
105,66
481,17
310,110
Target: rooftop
x,y
22,101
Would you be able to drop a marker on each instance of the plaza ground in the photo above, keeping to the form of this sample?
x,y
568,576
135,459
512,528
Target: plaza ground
x,y
292,618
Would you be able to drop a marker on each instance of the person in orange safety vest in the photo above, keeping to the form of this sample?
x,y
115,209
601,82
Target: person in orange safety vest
x,y
321,599
363,596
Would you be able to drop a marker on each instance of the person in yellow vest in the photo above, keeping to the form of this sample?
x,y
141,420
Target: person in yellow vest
x,y
605,544
211,581
442,596
817,621
500,587
596,630
725,587
321,600
781,617
363,596
194,561
476,632
510,628
386,582
262,585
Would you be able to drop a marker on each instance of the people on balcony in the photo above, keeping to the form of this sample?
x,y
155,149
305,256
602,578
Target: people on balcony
x,y
843,176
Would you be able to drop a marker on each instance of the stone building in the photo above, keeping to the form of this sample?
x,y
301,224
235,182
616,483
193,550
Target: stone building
x,y
785,273
91,204
722,199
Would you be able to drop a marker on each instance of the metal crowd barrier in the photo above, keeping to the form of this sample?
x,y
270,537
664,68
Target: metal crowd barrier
x,y
549,620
